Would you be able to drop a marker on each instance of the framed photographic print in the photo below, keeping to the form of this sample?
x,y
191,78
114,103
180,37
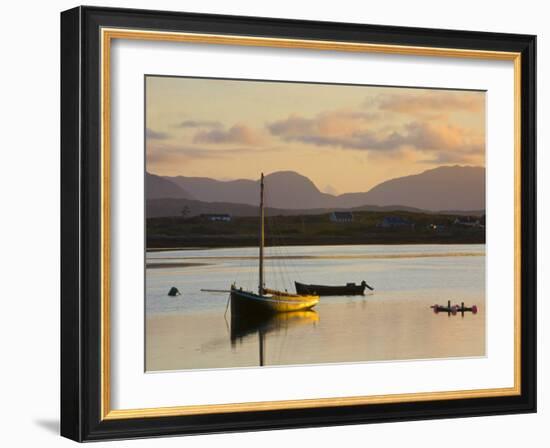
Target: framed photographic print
x,y
273,223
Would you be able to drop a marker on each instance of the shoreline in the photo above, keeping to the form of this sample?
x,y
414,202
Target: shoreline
x,y
310,257
174,265
245,246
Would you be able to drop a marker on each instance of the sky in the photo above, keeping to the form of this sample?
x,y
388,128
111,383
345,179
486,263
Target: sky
x,y
344,138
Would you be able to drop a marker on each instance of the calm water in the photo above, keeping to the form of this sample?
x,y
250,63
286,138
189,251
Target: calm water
x,y
393,322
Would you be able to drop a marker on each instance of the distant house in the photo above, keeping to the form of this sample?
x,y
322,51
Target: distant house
x,y
341,217
436,227
468,221
392,222
224,217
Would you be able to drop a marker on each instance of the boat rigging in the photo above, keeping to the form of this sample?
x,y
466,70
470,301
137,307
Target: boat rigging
x,y
267,300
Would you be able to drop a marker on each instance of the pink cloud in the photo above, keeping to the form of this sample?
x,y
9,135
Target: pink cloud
x,y
435,100
239,133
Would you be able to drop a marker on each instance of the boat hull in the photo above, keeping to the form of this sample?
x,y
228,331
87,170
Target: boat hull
x,y
324,290
247,303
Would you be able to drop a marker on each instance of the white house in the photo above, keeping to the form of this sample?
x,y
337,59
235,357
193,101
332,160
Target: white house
x,y
341,217
224,217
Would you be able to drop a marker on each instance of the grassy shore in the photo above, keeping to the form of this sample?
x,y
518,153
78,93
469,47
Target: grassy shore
x,y
366,228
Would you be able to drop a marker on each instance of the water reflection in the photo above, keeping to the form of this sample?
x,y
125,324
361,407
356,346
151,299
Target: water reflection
x,y
395,323
247,326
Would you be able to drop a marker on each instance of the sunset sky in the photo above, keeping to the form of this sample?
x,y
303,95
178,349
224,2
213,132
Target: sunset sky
x,y
344,138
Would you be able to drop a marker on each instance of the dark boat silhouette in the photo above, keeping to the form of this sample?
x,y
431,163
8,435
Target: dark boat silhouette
x,y
349,289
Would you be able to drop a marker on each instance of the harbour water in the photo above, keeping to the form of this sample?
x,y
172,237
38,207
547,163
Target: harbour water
x,y
393,322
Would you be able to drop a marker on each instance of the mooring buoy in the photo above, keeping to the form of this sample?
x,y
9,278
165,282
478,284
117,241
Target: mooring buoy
x,y
174,292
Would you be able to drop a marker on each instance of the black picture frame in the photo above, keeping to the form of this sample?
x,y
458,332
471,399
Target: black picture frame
x,y
81,224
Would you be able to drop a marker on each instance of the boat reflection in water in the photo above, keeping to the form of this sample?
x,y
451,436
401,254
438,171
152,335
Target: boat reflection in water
x,y
244,326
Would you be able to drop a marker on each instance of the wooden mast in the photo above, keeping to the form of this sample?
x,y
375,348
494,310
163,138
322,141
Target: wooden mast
x,y
261,282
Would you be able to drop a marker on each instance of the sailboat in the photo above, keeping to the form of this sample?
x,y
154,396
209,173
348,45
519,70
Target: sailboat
x,y
267,301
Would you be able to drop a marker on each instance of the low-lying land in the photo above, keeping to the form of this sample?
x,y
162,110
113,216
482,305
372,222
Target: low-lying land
x,y
365,227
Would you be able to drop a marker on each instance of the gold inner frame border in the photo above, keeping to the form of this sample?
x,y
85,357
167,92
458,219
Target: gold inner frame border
x,y
107,36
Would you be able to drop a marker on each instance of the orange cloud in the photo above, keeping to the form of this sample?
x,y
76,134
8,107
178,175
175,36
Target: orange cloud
x,y
151,134
342,123
239,133
442,136
351,132
432,100
199,124
326,124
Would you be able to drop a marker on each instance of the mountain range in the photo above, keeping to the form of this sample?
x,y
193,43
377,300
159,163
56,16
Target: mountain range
x,y
457,188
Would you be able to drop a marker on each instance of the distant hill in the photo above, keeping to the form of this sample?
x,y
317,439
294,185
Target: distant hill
x,y
157,208
165,207
442,188
157,187
285,189
290,190
458,188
